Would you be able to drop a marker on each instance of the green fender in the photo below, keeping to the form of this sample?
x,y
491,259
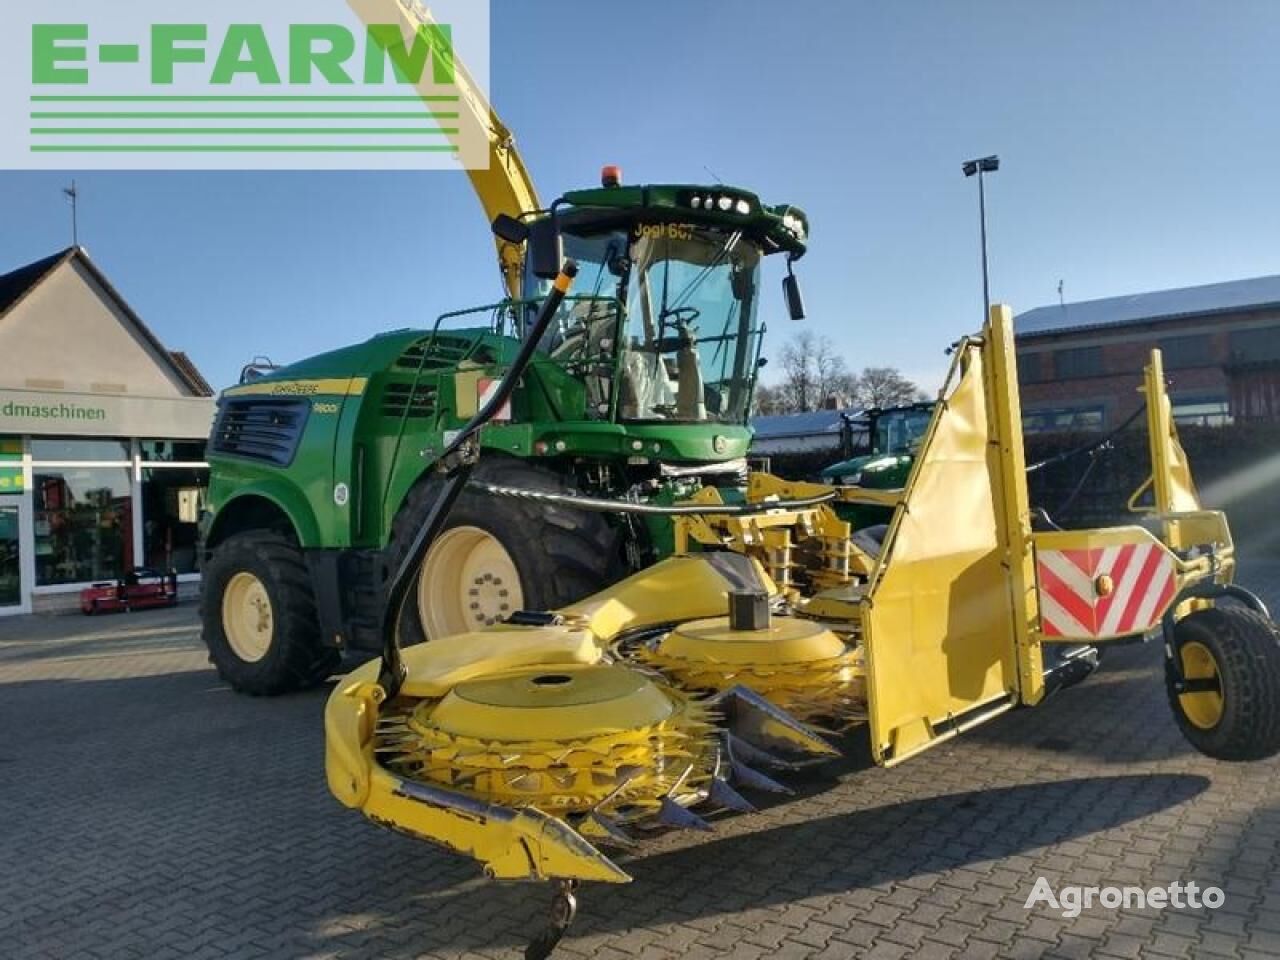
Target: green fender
x,y
283,495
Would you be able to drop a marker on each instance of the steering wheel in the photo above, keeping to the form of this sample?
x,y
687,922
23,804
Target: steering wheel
x,y
681,315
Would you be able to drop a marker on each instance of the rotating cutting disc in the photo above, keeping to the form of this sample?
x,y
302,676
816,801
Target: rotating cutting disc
x,y
567,739
560,703
785,640
796,664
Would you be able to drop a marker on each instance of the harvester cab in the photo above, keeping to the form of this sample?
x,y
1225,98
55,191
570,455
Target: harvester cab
x,y
664,327
768,640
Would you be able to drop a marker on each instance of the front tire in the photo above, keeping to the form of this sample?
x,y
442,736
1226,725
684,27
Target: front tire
x,y
1231,658
259,616
498,555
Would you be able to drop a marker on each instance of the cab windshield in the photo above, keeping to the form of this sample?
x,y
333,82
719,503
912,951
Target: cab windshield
x,y
901,431
685,344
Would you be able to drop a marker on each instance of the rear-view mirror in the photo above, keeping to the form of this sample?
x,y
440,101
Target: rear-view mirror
x,y
795,299
546,248
510,229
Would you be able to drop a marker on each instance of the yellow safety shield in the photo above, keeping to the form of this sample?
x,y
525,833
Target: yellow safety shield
x,y
948,611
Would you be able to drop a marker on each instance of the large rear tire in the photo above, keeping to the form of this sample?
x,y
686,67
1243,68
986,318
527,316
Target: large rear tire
x,y
497,555
1231,658
259,616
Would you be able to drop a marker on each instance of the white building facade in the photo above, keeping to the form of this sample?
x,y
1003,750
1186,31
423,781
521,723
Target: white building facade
x,y
102,437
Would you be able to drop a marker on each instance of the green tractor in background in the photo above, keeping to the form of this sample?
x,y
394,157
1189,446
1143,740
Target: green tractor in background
x,y
878,447
322,471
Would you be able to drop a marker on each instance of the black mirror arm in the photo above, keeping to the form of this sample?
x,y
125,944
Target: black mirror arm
x,y
457,462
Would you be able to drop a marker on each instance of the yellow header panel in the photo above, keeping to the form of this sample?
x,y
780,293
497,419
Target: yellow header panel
x,y
939,619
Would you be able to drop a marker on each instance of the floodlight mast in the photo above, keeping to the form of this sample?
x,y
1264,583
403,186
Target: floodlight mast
x,y
980,166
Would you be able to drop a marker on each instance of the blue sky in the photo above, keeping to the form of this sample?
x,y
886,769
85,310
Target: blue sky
x,y
1138,143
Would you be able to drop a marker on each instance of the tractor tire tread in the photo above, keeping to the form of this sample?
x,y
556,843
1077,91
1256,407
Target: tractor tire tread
x,y
299,661
578,552
1246,649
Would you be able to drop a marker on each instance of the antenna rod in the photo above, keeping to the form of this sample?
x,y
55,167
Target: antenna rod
x,y
73,196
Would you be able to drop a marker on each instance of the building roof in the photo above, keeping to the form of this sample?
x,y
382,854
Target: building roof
x,y
1234,296
184,363
16,285
777,426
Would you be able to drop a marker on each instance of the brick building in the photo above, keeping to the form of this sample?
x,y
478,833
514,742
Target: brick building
x,y
1079,363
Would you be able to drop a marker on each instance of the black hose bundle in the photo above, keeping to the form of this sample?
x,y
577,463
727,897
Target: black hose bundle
x,y
1093,449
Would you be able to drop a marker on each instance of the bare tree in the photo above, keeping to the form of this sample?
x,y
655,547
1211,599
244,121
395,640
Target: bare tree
x,y
813,374
796,389
768,400
886,387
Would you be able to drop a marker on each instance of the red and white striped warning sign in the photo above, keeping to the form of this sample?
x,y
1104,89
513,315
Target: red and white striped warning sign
x,y
486,390
1104,591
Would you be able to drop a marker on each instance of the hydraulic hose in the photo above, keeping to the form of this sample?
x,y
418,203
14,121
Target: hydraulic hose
x,y
1092,447
603,505
1089,447
458,461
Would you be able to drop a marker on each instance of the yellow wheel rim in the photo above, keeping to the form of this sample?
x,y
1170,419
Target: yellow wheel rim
x,y
1204,707
468,581
246,617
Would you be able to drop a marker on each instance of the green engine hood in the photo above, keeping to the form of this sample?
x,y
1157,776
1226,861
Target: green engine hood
x,y
873,470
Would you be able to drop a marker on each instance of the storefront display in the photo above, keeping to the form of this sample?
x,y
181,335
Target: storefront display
x,y
10,547
172,498
83,523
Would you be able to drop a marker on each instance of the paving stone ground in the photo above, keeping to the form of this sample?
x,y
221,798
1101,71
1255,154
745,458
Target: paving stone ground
x,y
146,811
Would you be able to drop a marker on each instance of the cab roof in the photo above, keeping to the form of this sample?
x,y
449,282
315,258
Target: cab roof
x,y
778,228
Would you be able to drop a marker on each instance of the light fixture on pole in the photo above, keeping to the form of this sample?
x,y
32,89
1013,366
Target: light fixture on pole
x,y
980,166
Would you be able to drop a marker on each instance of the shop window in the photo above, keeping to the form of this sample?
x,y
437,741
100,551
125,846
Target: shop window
x,y
172,451
10,465
1064,420
10,551
1259,345
1180,353
172,499
83,523
1201,411
60,450
1077,362
1030,368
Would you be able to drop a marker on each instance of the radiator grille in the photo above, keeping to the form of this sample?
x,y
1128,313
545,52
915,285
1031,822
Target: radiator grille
x,y
399,399
446,351
260,428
